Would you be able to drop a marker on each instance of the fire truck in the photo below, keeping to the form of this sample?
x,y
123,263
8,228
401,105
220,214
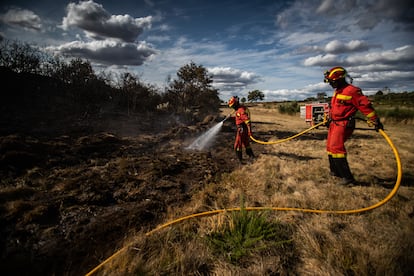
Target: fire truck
x,y
314,113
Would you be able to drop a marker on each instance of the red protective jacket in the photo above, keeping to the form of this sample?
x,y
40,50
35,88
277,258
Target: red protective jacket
x,y
345,102
242,115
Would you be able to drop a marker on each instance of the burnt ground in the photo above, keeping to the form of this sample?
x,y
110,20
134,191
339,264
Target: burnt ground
x,y
70,198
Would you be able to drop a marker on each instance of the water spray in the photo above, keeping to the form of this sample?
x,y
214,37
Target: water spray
x,y
206,139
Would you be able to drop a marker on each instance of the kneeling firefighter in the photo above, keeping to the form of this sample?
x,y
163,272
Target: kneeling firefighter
x,y
347,99
244,131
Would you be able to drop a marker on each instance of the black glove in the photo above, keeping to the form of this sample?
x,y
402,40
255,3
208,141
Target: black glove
x,y
328,122
378,125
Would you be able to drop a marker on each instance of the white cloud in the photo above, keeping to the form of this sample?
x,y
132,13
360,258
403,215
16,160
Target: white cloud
x,y
299,38
322,60
369,14
333,7
285,94
22,18
374,81
385,76
401,57
337,46
398,56
107,51
158,38
226,78
99,24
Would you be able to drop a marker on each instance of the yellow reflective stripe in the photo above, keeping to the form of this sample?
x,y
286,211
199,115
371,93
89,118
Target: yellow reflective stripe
x,y
338,155
248,115
372,114
343,97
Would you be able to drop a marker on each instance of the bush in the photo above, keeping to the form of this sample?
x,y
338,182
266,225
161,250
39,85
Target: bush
x,y
290,108
397,114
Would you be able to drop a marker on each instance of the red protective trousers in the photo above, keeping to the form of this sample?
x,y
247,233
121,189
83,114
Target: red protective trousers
x,y
242,138
337,135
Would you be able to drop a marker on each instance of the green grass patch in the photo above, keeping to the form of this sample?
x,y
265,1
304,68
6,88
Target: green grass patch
x,y
248,233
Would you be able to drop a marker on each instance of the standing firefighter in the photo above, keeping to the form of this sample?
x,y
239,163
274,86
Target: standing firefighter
x,y
347,99
244,131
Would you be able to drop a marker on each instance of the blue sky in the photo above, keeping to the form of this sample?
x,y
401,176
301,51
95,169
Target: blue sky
x,y
279,47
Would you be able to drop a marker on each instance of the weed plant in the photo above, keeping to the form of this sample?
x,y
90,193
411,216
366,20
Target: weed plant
x,y
248,232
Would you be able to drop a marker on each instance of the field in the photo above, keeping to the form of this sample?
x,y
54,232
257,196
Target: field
x,y
293,174
70,202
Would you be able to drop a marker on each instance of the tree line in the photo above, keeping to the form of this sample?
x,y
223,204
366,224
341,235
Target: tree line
x,y
190,95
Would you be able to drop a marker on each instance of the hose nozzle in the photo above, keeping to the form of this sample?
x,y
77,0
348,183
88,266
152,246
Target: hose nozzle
x,y
227,117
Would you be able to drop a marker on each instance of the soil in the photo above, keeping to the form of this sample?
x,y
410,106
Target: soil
x,y
70,196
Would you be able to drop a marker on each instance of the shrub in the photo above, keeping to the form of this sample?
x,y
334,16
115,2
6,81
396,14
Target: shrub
x,y
289,108
397,114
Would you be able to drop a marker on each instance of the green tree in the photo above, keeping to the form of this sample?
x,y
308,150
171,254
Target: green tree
x,y
20,57
137,96
82,84
321,96
192,94
255,95
77,72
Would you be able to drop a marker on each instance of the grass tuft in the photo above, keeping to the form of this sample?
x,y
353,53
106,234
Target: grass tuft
x,y
247,233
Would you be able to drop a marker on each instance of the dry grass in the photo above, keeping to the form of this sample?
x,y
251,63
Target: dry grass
x,y
295,174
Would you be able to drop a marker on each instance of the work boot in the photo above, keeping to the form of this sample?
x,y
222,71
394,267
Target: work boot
x,y
346,182
344,171
239,155
250,153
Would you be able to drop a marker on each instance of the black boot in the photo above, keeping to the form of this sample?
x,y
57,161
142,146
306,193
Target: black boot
x,y
344,171
250,153
239,155
332,167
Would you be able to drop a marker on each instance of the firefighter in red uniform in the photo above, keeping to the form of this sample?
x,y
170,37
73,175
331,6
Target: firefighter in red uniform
x,y
347,99
244,131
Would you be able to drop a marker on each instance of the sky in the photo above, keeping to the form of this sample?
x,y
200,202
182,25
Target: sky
x,y
281,48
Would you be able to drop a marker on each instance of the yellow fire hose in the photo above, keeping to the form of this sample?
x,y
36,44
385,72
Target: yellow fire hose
x,y
305,210
289,138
